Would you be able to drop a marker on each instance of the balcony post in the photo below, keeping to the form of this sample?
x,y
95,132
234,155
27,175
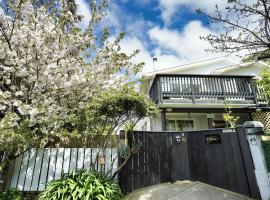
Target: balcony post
x,y
222,88
163,119
159,90
192,90
254,90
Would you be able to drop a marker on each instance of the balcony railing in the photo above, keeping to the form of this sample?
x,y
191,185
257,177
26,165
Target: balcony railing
x,y
206,89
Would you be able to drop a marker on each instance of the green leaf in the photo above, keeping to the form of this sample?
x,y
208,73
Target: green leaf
x,y
82,185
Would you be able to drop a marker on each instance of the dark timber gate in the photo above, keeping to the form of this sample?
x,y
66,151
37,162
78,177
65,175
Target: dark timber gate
x,y
219,157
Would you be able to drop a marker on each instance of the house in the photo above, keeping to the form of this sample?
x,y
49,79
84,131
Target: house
x,y
192,96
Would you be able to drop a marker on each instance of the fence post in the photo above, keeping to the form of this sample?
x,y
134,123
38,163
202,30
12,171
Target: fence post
x,y
253,131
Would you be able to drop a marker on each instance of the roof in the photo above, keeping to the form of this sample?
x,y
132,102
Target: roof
x,y
240,65
176,69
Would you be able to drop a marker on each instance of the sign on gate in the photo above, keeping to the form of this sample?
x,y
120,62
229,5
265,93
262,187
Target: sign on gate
x,y
212,139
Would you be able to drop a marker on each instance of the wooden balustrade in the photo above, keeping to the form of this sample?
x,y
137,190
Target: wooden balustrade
x,y
205,89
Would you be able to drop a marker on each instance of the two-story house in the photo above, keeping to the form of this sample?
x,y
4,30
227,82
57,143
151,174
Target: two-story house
x,y
192,96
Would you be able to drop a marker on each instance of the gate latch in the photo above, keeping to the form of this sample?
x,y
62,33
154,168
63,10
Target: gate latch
x,y
179,139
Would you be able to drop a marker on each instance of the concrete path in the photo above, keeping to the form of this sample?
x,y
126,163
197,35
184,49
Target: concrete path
x,y
184,190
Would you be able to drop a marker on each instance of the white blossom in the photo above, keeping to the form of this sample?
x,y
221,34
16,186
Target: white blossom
x,y
8,81
3,107
50,67
19,93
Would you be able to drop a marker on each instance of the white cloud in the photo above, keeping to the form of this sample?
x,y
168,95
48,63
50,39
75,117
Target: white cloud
x,y
138,27
112,18
186,45
121,21
140,2
129,44
167,60
169,7
171,47
84,10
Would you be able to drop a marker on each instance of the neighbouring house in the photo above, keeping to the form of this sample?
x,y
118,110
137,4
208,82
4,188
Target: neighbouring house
x,y
192,96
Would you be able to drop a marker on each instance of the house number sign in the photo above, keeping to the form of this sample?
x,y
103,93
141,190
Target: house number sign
x,y
212,139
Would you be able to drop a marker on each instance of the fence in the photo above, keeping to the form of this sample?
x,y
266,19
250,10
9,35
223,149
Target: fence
x,y
219,157
33,170
88,141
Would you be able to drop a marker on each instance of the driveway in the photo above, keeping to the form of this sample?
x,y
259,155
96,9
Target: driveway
x,y
183,190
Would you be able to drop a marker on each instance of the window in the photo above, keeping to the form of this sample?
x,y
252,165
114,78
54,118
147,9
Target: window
x,y
218,124
144,127
180,125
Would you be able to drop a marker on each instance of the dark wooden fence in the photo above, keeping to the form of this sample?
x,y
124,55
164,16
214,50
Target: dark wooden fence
x,y
218,157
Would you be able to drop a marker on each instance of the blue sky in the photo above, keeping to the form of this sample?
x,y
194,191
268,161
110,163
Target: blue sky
x,y
166,29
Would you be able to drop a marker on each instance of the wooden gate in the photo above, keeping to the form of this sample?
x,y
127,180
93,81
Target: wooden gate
x,y
219,157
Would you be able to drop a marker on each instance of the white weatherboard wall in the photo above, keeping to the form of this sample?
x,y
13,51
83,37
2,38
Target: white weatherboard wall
x,y
33,170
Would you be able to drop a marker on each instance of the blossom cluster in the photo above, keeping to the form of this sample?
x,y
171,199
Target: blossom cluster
x,y
50,67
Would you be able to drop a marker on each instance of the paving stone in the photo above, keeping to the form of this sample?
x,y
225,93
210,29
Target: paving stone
x,y
184,190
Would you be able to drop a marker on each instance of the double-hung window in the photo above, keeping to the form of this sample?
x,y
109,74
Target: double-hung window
x,y
180,125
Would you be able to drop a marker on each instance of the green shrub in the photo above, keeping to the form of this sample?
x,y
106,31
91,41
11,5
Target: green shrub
x,y
82,185
12,195
267,132
266,147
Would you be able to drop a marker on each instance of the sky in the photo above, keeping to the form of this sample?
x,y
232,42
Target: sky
x,y
168,30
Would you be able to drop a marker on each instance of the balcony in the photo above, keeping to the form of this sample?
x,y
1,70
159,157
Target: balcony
x,y
206,91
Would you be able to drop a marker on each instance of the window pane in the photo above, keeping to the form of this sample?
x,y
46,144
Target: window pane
x,y
219,124
185,125
170,125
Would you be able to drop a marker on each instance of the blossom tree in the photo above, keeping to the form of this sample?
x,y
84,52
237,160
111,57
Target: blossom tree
x,y
245,29
51,66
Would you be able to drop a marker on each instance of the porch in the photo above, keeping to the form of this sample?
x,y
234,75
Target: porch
x,y
194,119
